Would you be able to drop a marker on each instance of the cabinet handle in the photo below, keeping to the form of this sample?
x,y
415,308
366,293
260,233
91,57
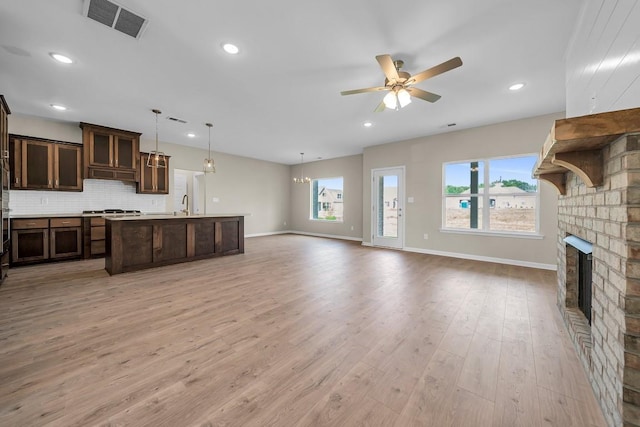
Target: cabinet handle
x,y
49,183
6,154
65,222
116,162
17,181
31,223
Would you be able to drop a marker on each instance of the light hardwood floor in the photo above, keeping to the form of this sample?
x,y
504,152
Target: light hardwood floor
x,y
298,331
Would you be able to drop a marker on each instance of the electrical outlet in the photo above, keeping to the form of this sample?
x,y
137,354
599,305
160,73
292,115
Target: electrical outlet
x,y
44,201
352,228
285,223
426,236
216,200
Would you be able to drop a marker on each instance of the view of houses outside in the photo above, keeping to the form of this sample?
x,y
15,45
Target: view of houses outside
x,y
327,203
512,195
388,223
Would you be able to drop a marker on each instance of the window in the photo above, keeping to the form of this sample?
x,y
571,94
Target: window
x,y
510,205
326,199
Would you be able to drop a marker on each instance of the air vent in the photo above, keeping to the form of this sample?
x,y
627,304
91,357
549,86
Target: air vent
x,y
115,16
176,120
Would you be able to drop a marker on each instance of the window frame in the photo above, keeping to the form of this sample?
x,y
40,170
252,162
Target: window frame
x,y
318,202
485,199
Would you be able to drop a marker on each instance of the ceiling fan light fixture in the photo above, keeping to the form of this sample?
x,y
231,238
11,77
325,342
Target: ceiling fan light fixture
x,y
391,100
404,98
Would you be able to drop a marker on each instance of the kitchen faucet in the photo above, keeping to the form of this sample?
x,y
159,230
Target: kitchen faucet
x,y
186,209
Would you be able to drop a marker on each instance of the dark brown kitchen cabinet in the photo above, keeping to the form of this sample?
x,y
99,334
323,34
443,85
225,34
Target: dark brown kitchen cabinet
x,y
153,180
42,239
29,240
4,135
94,236
38,164
110,153
65,235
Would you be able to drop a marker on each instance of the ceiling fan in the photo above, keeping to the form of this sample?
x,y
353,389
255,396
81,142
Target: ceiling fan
x,y
399,83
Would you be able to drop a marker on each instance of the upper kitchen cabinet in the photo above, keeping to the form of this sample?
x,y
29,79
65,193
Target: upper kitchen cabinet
x,y
38,164
4,135
110,153
153,180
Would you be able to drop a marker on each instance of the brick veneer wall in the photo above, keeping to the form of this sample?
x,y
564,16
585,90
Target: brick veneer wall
x,y
609,217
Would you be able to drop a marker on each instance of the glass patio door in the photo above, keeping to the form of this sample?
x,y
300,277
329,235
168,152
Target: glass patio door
x,y
388,207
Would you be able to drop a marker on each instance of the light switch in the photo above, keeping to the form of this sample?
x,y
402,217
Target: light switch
x,y
410,200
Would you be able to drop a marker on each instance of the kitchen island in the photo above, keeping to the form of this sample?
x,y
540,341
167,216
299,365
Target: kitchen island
x,y
139,242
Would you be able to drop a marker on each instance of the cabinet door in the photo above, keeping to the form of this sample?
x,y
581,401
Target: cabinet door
x,y
67,167
100,149
66,242
162,179
4,140
30,245
36,164
147,184
15,163
125,152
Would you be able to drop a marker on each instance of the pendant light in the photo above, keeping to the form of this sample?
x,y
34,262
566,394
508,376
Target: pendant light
x,y
209,165
156,158
303,179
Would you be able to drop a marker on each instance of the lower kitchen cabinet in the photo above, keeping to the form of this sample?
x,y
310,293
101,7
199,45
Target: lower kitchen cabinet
x,y
65,237
94,237
29,240
43,239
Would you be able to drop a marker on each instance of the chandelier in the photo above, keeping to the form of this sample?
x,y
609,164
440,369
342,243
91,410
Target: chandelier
x,y
209,165
303,179
156,158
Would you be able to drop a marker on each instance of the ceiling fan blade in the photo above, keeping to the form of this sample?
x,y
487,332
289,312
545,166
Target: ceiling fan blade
x,y
434,71
389,69
423,94
380,108
369,89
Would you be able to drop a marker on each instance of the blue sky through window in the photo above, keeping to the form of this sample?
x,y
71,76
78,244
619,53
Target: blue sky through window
x,y
458,174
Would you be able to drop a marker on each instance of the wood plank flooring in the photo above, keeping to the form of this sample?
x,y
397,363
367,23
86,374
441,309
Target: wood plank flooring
x,y
298,331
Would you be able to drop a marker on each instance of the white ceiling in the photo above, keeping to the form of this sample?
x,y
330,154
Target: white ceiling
x,y
281,95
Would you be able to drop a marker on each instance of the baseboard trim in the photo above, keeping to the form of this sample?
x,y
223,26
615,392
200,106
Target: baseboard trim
x,y
328,236
271,233
506,261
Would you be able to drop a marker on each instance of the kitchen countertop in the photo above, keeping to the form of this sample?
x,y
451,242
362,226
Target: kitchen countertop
x,y
150,215
171,216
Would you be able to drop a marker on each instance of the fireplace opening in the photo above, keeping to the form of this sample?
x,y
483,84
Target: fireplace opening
x,y
581,261
584,284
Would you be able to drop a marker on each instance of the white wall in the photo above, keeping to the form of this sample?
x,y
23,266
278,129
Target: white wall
x,y
350,168
241,185
423,159
603,59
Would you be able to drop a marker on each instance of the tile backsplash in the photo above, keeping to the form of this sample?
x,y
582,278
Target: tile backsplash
x,y
97,194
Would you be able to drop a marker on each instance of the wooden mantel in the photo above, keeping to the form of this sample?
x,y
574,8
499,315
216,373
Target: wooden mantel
x,y
575,144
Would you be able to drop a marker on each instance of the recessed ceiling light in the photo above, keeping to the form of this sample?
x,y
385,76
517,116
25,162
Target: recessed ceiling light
x,y
367,124
191,135
58,107
230,48
516,86
61,58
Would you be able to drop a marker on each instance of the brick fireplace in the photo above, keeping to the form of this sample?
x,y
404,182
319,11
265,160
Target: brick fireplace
x,y
594,162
